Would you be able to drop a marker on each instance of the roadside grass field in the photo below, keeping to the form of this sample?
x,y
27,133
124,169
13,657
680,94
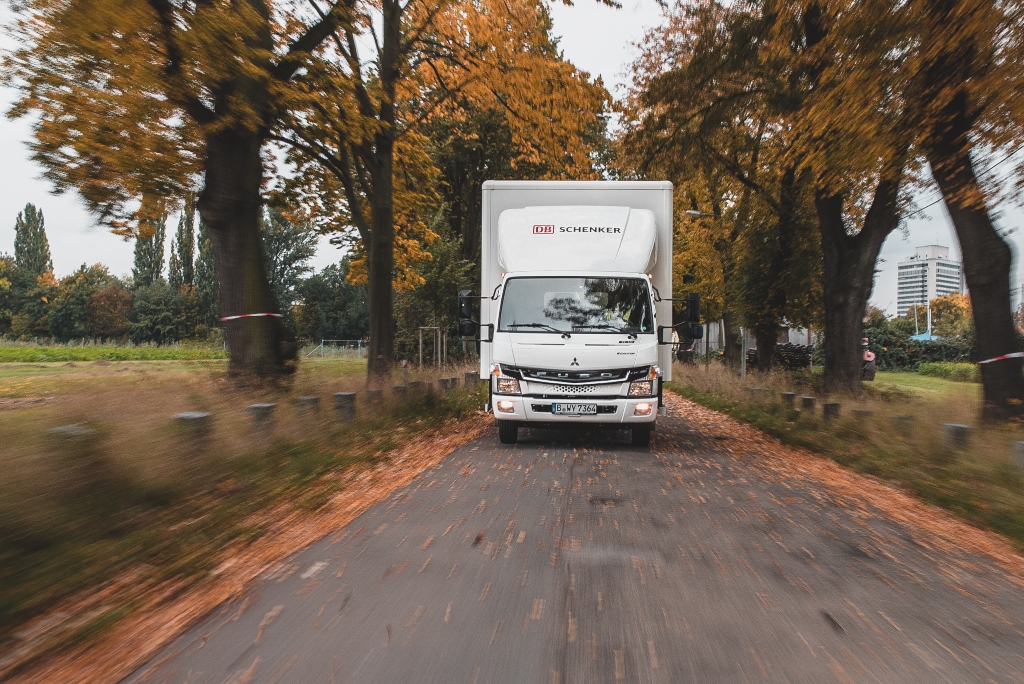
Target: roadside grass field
x,y
897,436
924,385
138,490
32,354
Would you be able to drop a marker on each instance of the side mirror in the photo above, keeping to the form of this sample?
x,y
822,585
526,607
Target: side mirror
x,y
665,334
693,308
467,328
465,305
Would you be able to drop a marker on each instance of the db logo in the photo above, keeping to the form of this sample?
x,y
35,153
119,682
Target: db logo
x,y
543,230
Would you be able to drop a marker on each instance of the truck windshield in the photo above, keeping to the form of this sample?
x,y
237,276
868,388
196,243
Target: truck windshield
x,y
570,304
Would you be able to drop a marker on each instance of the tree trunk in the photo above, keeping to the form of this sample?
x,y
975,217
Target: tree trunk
x,y
733,344
849,275
767,337
987,260
381,266
230,208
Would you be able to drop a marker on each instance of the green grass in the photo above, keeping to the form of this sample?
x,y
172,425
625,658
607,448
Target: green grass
x,y
923,385
71,354
980,484
959,372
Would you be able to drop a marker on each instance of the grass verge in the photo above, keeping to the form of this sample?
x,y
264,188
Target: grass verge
x,y
894,433
137,496
84,354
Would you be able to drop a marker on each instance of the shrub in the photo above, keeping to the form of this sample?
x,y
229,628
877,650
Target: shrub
x,y
960,372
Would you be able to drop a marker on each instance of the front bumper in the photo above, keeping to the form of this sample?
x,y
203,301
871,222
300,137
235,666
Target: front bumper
x,y
536,410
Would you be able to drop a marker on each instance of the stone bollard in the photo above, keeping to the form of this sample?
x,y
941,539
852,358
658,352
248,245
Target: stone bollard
x,y
374,396
1018,455
193,424
904,424
807,403
345,406
789,399
82,467
471,378
398,391
262,417
417,387
863,414
830,411
955,436
307,406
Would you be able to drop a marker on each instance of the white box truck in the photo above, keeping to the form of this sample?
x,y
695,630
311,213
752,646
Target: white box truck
x,y
576,303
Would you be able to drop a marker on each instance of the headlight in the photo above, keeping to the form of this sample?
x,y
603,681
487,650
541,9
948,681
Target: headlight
x,y
507,386
641,388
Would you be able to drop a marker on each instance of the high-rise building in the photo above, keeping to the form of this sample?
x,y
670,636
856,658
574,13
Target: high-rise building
x,y
928,274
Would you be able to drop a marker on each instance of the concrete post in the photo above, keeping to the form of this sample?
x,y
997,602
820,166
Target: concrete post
x,y
194,424
956,436
261,417
471,378
807,403
374,396
1018,455
398,391
789,399
307,406
830,411
345,406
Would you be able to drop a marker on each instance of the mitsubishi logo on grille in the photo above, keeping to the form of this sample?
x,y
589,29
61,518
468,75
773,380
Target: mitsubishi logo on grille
x,y
574,362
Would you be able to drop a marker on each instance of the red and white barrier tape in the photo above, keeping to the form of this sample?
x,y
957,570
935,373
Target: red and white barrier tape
x,y
257,315
1014,355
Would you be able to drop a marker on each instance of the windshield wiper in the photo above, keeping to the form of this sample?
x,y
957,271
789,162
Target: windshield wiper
x,y
604,326
542,326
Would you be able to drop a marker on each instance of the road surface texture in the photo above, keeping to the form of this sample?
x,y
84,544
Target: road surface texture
x,y
576,558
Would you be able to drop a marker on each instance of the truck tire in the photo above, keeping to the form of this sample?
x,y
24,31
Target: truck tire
x,y
508,431
642,435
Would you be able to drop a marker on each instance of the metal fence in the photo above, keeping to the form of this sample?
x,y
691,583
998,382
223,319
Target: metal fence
x,y
338,349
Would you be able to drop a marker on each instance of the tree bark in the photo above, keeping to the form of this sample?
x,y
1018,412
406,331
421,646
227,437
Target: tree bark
x,y
230,207
849,275
987,258
987,261
767,337
381,266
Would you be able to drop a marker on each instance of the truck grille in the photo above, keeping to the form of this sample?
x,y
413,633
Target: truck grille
x,y
588,376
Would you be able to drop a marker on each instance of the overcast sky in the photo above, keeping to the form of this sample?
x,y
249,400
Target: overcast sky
x,y
597,38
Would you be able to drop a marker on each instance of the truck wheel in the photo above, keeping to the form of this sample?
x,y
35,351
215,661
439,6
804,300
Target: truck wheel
x,y
642,435
508,431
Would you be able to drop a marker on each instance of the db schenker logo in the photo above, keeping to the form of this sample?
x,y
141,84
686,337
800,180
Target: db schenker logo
x,y
543,230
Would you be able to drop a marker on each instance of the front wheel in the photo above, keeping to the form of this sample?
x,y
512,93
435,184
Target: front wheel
x,y
642,435
508,431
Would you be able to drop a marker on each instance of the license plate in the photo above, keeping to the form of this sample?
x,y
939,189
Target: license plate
x,y
575,409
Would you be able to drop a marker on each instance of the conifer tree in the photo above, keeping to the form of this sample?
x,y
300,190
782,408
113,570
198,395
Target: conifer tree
x,y
31,248
149,252
205,281
181,269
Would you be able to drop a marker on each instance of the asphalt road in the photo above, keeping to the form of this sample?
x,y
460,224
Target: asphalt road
x,y
576,558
